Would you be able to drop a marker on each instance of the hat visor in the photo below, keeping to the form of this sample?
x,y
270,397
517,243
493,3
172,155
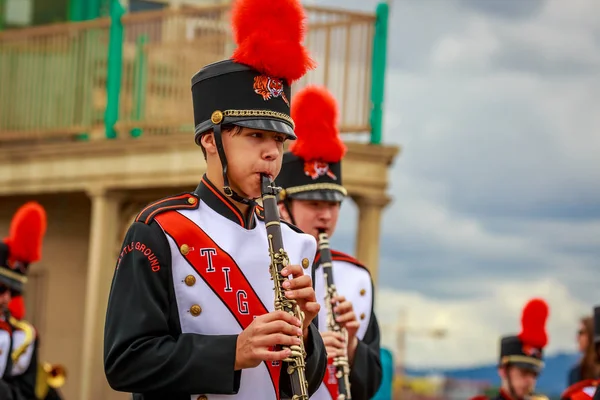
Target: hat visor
x,y
526,366
320,195
271,125
11,283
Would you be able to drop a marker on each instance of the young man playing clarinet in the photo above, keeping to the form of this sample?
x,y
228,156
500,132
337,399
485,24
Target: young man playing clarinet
x,y
191,312
311,178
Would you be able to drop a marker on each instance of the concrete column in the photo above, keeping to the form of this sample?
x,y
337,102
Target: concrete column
x,y
102,256
368,232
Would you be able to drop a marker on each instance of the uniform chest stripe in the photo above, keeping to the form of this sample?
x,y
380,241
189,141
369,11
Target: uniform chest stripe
x,y
220,272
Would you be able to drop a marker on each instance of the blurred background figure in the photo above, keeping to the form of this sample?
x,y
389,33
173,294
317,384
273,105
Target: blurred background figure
x,y
587,367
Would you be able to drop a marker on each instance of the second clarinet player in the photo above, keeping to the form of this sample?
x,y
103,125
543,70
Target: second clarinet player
x,y
311,178
340,362
191,312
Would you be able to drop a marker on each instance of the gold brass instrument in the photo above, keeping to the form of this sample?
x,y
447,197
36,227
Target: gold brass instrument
x,y
279,260
341,364
48,375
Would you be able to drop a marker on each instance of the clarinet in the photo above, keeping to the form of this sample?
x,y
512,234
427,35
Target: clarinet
x,y
341,364
296,366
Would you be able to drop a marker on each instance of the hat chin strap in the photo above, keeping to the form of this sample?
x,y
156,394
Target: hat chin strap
x,y
229,192
288,207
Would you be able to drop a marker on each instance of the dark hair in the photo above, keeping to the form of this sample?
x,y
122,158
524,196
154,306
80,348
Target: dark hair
x,y
233,129
589,361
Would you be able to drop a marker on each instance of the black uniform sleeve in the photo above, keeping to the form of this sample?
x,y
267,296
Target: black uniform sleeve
x,y
366,371
316,364
143,353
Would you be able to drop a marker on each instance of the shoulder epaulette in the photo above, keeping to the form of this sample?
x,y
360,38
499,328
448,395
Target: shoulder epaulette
x,y
339,256
184,201
260,213
576,387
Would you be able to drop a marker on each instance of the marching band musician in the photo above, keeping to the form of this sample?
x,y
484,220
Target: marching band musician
x,y
587,389
311,179
521,356
190,312
18,338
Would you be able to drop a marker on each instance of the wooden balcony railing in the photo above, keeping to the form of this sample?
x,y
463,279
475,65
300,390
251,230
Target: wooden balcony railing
x,y
53,79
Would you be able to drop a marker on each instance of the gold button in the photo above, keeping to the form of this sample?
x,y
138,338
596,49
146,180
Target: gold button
x,y
305,263
362,292
362,316
190,280
216,117
192,200
184,249
195,310
202,397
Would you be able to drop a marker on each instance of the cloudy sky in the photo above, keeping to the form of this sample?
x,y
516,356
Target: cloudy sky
x,y
497,190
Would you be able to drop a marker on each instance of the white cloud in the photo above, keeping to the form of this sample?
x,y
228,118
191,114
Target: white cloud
x,y
474,327
499,129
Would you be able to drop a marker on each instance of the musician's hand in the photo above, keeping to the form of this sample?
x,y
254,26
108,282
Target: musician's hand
x,y
334,344
256,343
300,289
347,318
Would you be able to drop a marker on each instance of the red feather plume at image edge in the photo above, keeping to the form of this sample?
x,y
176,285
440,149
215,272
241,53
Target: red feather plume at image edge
x,y
533,323
270,36
315,114
27,230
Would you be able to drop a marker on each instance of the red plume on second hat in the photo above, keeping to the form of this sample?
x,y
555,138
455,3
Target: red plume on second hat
x,y
315,113
533,324
23,246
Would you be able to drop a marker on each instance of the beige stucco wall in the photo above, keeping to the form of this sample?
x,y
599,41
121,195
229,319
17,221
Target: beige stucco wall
x,y
58,308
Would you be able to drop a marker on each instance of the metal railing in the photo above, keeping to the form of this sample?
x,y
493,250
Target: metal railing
x,y
55,81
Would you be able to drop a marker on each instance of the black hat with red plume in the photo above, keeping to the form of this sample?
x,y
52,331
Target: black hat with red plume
x,y
312,169
526,349
23,246
253,88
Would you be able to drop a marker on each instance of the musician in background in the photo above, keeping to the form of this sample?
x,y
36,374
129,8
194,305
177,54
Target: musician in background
x,y
521,356
312,194
18,338
587,389
191,306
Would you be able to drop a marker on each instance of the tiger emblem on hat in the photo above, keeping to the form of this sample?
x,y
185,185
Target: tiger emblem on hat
x,y
269,87
315,169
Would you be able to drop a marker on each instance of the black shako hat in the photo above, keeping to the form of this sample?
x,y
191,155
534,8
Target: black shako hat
x,y
253,88
312,169
23,246
526,349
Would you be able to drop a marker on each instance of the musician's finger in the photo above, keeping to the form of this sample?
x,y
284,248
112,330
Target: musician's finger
x,y
352,326
276,339
298,283
312,307
338,299
333,342
295,270
279,326
343,307
347,317
279,315
307,294
268,355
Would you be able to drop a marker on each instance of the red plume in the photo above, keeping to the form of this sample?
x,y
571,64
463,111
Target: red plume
x,y
27,230
17,307
270,35
533,324
315,114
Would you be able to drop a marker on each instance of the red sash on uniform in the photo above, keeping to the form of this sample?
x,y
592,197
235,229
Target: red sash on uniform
x,y
330,379
228,287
